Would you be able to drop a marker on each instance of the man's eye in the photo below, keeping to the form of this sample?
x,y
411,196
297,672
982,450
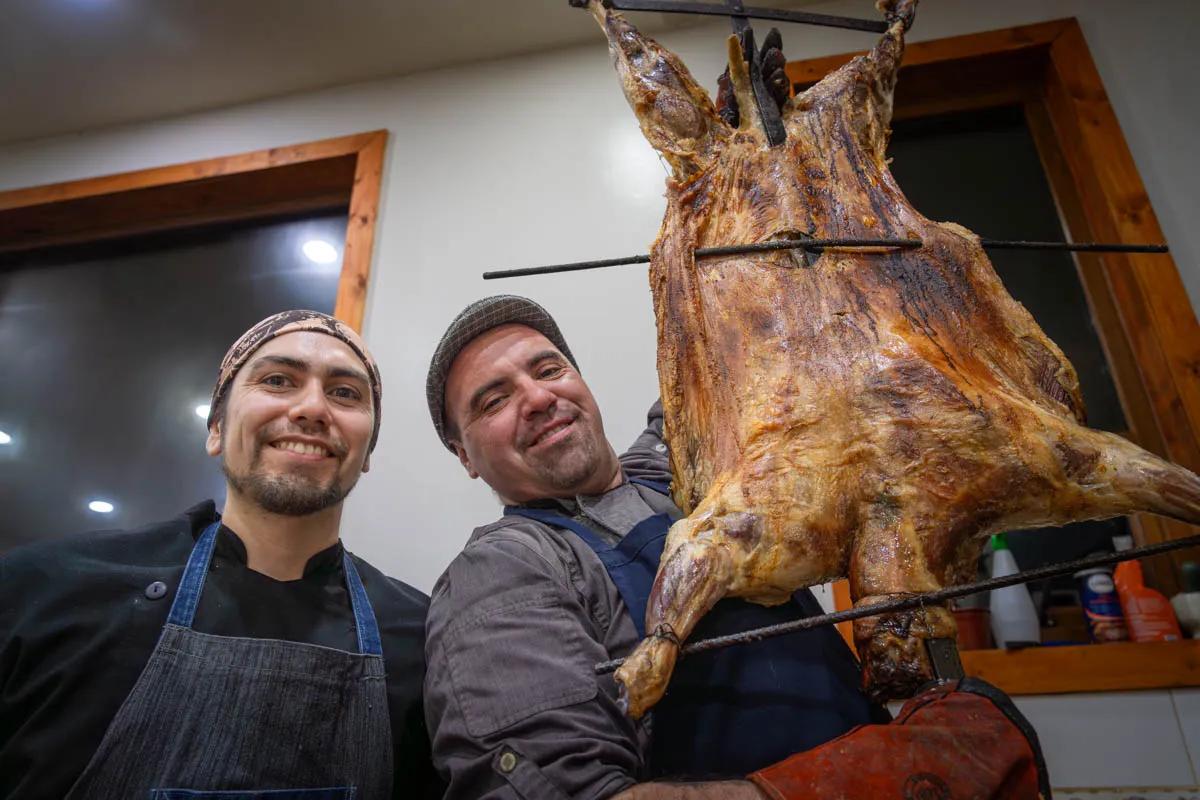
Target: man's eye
x,y
277,381
551,371
492,403
346,393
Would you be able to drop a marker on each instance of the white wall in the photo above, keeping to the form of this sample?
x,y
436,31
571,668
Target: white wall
x,y
538,160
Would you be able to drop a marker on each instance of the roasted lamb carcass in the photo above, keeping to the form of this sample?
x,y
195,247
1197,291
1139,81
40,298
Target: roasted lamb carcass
x,y
873,415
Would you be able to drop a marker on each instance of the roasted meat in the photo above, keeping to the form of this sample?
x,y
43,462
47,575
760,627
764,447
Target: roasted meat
x,y
874,414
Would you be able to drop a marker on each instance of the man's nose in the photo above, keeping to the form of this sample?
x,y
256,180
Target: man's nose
x,y
311,406
536,398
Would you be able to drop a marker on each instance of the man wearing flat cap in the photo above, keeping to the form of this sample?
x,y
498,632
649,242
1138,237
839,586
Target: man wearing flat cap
x,y
245,652
559,583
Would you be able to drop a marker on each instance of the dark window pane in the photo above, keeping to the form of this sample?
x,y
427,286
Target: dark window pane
x,y
107,351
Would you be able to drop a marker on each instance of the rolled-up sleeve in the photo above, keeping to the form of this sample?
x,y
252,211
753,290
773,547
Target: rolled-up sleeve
x,y
513,705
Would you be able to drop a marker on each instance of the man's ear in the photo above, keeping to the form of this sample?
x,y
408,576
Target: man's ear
x,y
366,467
463,458
213,443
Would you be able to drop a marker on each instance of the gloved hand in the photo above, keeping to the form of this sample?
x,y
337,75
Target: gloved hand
x,y
957,739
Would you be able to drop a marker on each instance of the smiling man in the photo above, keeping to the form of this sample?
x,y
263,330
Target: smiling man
x,y
245,651
560,582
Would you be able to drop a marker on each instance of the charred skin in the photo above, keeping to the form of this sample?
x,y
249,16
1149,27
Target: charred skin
x,y
871,415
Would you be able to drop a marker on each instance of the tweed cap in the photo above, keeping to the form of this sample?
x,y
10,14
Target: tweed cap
x,y
477,318
283,323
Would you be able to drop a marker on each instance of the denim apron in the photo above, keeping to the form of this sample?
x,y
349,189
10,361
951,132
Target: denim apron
x,y
242,719
732,711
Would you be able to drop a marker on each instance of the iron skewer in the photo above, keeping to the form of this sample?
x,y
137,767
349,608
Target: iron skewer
x,y
815,245
776,14
918,600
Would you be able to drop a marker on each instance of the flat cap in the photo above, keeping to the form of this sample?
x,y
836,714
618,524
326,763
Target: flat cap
x,y
478,318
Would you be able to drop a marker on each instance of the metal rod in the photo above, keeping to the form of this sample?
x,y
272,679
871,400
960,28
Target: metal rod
x,y
777,14
815,245
1082,247
806,244
734,249
917,600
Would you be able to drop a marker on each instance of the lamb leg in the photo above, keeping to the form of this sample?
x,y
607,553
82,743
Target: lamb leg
x,y
695,573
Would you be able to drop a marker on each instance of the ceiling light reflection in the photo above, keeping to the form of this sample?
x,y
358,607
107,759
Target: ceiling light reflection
x,y
101,506
202,411
5,438
320,251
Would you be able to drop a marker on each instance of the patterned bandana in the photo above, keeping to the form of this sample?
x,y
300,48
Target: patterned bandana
x,y
291,322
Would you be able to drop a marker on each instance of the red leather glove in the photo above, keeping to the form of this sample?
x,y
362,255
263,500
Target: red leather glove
x,y
958,740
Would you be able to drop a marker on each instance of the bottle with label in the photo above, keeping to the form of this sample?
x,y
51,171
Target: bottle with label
x,y
1101,606
1014,618
1148,615
1187,602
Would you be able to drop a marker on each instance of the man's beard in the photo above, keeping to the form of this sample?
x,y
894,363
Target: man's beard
x,y
290,495
571,468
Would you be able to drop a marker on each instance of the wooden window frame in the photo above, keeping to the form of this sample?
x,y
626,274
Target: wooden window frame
x,y
1138,302
346,171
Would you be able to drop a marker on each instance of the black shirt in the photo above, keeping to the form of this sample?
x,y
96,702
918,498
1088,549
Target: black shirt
x,y
77,625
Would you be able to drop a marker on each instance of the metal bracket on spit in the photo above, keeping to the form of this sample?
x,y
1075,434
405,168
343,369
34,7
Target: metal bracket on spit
x,y
768,112
943,657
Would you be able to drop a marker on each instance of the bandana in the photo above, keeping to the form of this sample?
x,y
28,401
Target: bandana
x,y
292,322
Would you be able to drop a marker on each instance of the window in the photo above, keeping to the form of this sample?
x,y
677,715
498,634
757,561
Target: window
x,y
118,297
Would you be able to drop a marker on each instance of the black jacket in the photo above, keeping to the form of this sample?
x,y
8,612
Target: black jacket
x,y
77,624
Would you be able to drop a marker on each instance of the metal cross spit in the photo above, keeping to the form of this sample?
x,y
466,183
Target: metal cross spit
x,y
943,653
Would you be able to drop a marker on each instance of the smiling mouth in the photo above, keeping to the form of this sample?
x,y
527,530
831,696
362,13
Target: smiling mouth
x,y
302,448
549,432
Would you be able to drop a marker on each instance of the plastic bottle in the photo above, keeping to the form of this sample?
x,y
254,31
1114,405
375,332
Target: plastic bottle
x,y
1014,618
1187,602
1148,615
1101,605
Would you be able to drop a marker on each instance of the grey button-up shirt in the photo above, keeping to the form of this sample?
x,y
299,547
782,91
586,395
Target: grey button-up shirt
x,y
516,625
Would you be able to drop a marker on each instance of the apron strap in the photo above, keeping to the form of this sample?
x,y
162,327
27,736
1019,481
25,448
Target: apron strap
x,y
630,564
369,641
187,599
557,520
191,585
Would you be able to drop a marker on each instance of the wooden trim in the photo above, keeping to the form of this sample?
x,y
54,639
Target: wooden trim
x,y
360,233
938,51
842,601
346,170
289,189
191,171
1153,303
1138,302
1088,668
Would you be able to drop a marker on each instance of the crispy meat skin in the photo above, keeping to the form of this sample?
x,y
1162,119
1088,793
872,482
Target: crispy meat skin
x,y
874,416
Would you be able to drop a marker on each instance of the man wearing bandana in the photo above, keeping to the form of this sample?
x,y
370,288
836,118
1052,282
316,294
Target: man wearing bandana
x,y
244,652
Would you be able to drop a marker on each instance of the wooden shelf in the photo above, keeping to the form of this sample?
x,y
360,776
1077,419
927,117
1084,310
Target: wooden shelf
x,y
1088,668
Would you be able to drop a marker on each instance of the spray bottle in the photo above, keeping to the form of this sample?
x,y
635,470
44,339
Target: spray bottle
x,y
1014,618
1148,615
